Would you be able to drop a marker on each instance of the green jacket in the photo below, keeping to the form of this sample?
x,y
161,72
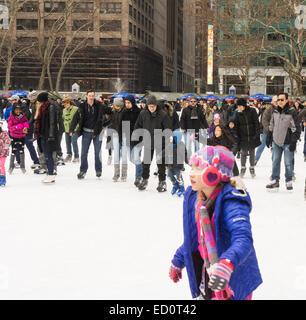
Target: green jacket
x,y
68,116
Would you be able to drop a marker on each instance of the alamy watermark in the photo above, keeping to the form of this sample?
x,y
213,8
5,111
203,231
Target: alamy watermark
x,y
300,21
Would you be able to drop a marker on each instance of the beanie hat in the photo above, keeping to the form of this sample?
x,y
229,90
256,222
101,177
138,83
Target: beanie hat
x,y
152,100
118,102
43,97
131,98
242,102
143,101
217,157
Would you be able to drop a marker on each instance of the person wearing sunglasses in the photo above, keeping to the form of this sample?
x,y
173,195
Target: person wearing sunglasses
x,y
284,132
192,122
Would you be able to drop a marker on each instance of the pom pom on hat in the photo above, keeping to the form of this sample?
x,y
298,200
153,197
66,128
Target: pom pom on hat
x,y
219,157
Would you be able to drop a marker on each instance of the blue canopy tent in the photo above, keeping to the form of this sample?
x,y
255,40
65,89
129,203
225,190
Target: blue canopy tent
x,y
229,98
211,97
20,93
189,96
122,95
261,97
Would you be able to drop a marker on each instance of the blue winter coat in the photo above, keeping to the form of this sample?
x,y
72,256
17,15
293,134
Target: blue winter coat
x,y
233,239
7,113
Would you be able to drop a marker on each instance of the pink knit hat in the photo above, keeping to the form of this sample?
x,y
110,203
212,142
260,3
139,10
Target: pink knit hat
x,y
219,157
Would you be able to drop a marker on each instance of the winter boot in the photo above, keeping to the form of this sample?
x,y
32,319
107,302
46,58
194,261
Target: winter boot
x,y
2,180
68,158
273,186
116,173
81,175
162,186
35,166
289,186
76,160
252,172
60,161
124,172
12,164
242,172
22,162
99,174
40,170
181,191
49,179
143,184
137,182
175,188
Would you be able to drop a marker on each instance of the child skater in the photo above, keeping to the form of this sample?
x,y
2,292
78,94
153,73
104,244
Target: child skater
x,y
218,250
18,127
176,164
5,142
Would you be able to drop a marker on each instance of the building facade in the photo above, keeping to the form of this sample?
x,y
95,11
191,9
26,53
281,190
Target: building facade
x,y
126,44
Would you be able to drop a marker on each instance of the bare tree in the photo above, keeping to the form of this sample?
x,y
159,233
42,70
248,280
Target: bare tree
x,y
284,39
240,38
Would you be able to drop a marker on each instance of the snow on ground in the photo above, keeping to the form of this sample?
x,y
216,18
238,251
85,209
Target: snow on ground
x,y
94,239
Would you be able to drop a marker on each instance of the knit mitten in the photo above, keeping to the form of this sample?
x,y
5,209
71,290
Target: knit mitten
x,y
175,273
221,275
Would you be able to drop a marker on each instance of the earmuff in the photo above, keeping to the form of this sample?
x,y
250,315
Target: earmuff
x,y
210,175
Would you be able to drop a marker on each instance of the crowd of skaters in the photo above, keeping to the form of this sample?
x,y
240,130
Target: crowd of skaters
x,y
245,127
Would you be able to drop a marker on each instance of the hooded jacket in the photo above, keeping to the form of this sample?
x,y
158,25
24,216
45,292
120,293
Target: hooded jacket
x,y
16,125
284,125
233,239
247,128
154,123
130,117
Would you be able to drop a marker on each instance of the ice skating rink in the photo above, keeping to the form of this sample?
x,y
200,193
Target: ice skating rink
x,y
94,239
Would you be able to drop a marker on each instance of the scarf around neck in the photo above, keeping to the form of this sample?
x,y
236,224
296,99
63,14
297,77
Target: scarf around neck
x,y
207,239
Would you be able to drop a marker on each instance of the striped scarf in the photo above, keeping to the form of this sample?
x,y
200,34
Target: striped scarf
x,y
207,240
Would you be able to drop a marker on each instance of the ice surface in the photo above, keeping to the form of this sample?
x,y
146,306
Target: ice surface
x,y
94,239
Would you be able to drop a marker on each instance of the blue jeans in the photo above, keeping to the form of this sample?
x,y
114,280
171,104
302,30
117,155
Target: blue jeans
x,y
261,148
134,153
74,142
86,141
276,161
48,156
188,144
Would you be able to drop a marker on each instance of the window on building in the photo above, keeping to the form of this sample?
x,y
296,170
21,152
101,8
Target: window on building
x,y
82,25
29,6
49,23
110,41
111,8
81,7
110,25
27,24
54,6
275,85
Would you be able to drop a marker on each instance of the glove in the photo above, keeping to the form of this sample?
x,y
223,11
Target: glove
x,y
292,147
51,139
269,140
175,273
221,275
